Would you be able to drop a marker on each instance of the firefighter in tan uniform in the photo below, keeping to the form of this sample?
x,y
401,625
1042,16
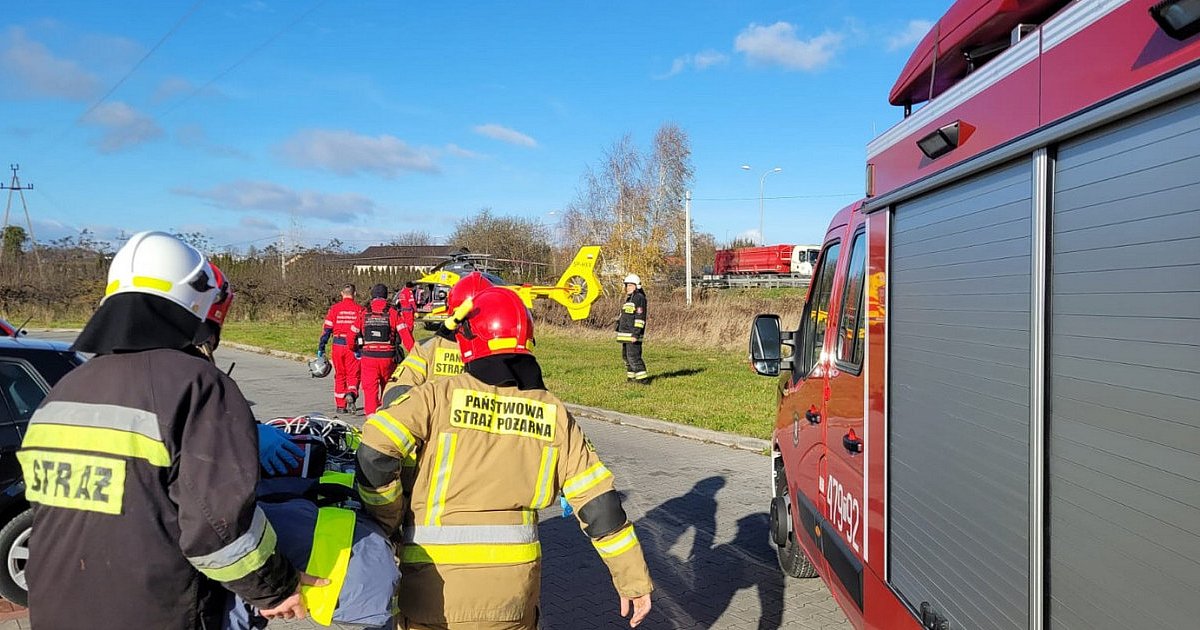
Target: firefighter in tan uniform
x,y
491,447
438,356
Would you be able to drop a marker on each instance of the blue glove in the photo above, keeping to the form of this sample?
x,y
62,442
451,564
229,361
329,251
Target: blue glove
x,y
320,353
567,510
357,354
276,452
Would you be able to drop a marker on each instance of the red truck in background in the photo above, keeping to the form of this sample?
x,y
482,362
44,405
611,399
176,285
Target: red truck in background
x,y
771,265
987,414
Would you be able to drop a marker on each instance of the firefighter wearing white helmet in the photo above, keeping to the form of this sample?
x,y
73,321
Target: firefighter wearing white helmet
x,y
141,465
631,328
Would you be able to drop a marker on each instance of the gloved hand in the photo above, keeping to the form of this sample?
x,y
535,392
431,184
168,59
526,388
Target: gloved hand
x,y
358,354
567,510
320,353
276,453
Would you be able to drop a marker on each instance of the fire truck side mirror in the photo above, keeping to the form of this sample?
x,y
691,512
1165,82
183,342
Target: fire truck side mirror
x,y
766,346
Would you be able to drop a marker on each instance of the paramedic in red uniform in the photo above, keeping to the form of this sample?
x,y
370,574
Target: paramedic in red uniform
x,y
380,329
407,303
341,323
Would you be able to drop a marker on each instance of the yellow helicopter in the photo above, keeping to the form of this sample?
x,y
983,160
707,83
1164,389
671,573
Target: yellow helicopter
x,y
576,289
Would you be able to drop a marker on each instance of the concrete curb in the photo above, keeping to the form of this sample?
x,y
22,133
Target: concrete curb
x,y
292,356
671,428
615,417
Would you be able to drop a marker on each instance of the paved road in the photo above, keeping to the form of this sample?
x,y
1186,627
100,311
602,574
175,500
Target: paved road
x,y
699,509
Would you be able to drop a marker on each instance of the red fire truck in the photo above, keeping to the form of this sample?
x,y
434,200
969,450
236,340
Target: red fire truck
x,y
989,412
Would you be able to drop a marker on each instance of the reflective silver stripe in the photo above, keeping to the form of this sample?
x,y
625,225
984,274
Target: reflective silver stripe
x,y
98,416
236,550
470,534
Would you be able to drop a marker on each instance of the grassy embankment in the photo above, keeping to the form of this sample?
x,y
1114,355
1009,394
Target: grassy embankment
x,y
708,388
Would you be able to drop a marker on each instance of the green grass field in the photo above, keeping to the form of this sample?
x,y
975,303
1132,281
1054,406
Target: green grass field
x,y
711,389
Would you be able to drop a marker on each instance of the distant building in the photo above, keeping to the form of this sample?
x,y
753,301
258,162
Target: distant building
x,y
416,259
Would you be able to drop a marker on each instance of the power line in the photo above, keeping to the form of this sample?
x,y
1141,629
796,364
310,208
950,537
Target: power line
x,y
257,49
129,73
780,197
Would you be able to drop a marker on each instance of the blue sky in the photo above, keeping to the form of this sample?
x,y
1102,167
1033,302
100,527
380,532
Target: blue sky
x,y
360,120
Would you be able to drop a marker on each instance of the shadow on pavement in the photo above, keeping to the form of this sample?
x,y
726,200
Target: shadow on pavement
x,y
694,587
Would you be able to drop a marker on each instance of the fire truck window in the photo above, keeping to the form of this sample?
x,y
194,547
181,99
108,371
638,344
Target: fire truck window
x,y
816,314
850,324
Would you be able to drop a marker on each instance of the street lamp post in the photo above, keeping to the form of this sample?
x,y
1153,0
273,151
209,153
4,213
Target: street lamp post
x,y
761,183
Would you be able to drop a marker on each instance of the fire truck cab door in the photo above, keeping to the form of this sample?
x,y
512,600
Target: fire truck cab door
x,y
800,429
845,503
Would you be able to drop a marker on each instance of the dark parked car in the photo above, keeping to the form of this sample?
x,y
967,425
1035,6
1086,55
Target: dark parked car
x,y
28,369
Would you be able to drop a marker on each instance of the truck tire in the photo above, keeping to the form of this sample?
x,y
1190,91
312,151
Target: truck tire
x,y
792,558
14,549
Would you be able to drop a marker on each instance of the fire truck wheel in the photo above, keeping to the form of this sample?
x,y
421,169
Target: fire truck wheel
x,y
792,559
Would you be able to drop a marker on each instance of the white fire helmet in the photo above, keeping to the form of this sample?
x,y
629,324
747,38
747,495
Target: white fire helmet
x,y
159,264
634,280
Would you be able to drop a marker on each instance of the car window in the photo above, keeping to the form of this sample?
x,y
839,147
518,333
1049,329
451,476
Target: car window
x,y
850,324
20,389
816,313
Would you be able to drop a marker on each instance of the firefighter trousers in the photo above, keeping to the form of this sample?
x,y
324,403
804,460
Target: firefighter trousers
x,y
375,373
345,375
635,367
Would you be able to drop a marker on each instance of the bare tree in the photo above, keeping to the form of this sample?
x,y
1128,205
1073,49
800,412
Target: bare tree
x,y
520,246
632,204
412,238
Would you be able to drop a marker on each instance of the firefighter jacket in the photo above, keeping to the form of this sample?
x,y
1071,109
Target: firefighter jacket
x,y
379,327
341,322
631,325
436,357
460,468
142,468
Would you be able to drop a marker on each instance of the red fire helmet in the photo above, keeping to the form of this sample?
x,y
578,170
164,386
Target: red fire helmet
x,y
462,291
498,323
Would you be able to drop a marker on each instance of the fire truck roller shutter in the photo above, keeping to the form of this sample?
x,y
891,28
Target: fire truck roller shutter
x,y
959,421
1123,365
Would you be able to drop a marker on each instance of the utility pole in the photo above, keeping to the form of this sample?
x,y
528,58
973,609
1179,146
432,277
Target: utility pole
x,y
687,247
15,186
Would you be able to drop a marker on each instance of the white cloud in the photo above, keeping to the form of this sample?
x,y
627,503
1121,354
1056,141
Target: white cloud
x,y
270,197
193,136
255,223
349,153
700,61
34,71
777,44
504,134
911,34
122,125
457,151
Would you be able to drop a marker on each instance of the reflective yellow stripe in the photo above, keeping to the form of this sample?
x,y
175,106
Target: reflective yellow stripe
x,y
416,363
471,554
541,492
625,337
339,478
112,287
158,284
381,496
638,323
624,542
329,558
97,440
586,480
399,434
503,343
436,504
248,563
528,517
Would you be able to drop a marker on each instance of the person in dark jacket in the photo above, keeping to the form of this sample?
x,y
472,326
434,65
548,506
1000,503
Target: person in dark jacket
x,y
141,465
631,327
